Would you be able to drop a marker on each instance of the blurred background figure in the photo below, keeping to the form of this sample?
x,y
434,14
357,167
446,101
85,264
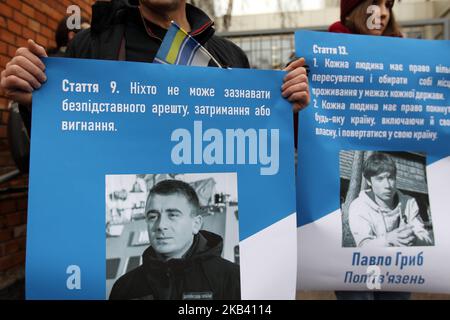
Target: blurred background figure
x,y
64,35
355,18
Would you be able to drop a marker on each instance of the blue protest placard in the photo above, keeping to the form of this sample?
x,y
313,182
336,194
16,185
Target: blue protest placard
x,y
140,172
373,164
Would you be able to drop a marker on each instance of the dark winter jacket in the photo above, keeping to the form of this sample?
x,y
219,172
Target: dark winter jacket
x,y
201,274
109,23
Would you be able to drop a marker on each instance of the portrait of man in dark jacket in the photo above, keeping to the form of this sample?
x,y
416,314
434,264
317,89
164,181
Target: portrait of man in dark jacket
x,y
182,262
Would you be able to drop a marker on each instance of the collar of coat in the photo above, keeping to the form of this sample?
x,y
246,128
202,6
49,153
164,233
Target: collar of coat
x,y
206,245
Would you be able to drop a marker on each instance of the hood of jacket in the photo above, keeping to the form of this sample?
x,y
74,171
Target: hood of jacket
x,y
366,198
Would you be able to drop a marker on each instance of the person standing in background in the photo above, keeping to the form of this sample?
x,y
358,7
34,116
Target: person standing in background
x,y
356,18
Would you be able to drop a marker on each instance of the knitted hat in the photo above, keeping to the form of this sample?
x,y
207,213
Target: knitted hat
x,y
347,7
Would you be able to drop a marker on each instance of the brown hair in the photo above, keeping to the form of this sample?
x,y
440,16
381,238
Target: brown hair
x,y
356,21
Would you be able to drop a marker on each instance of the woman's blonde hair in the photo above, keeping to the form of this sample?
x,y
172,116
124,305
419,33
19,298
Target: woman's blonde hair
x,y
356,21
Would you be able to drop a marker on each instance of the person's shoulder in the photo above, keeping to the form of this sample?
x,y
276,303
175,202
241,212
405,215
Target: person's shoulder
x,y
228,45
106,13
82,36
80,45
225,42
358,203
405,197
89,44
338,27
233,53
124,286
407,200
360,208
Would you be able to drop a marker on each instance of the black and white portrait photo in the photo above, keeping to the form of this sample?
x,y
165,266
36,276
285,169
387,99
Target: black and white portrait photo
x,y
172,237
384,199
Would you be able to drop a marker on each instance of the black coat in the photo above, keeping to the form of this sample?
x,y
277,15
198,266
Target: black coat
x,y
202,274
109,19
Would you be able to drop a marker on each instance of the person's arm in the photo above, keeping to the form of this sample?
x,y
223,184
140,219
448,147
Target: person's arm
x,y
360,226
362,231
423,236
19,128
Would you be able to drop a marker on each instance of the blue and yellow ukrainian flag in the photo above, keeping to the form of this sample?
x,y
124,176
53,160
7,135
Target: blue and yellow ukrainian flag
x,y
178,47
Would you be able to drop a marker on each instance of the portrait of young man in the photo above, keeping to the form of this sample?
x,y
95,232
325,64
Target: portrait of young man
x,y
183,262
383,216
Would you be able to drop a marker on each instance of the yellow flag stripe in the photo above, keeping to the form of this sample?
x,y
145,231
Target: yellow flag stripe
x,y
175,47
